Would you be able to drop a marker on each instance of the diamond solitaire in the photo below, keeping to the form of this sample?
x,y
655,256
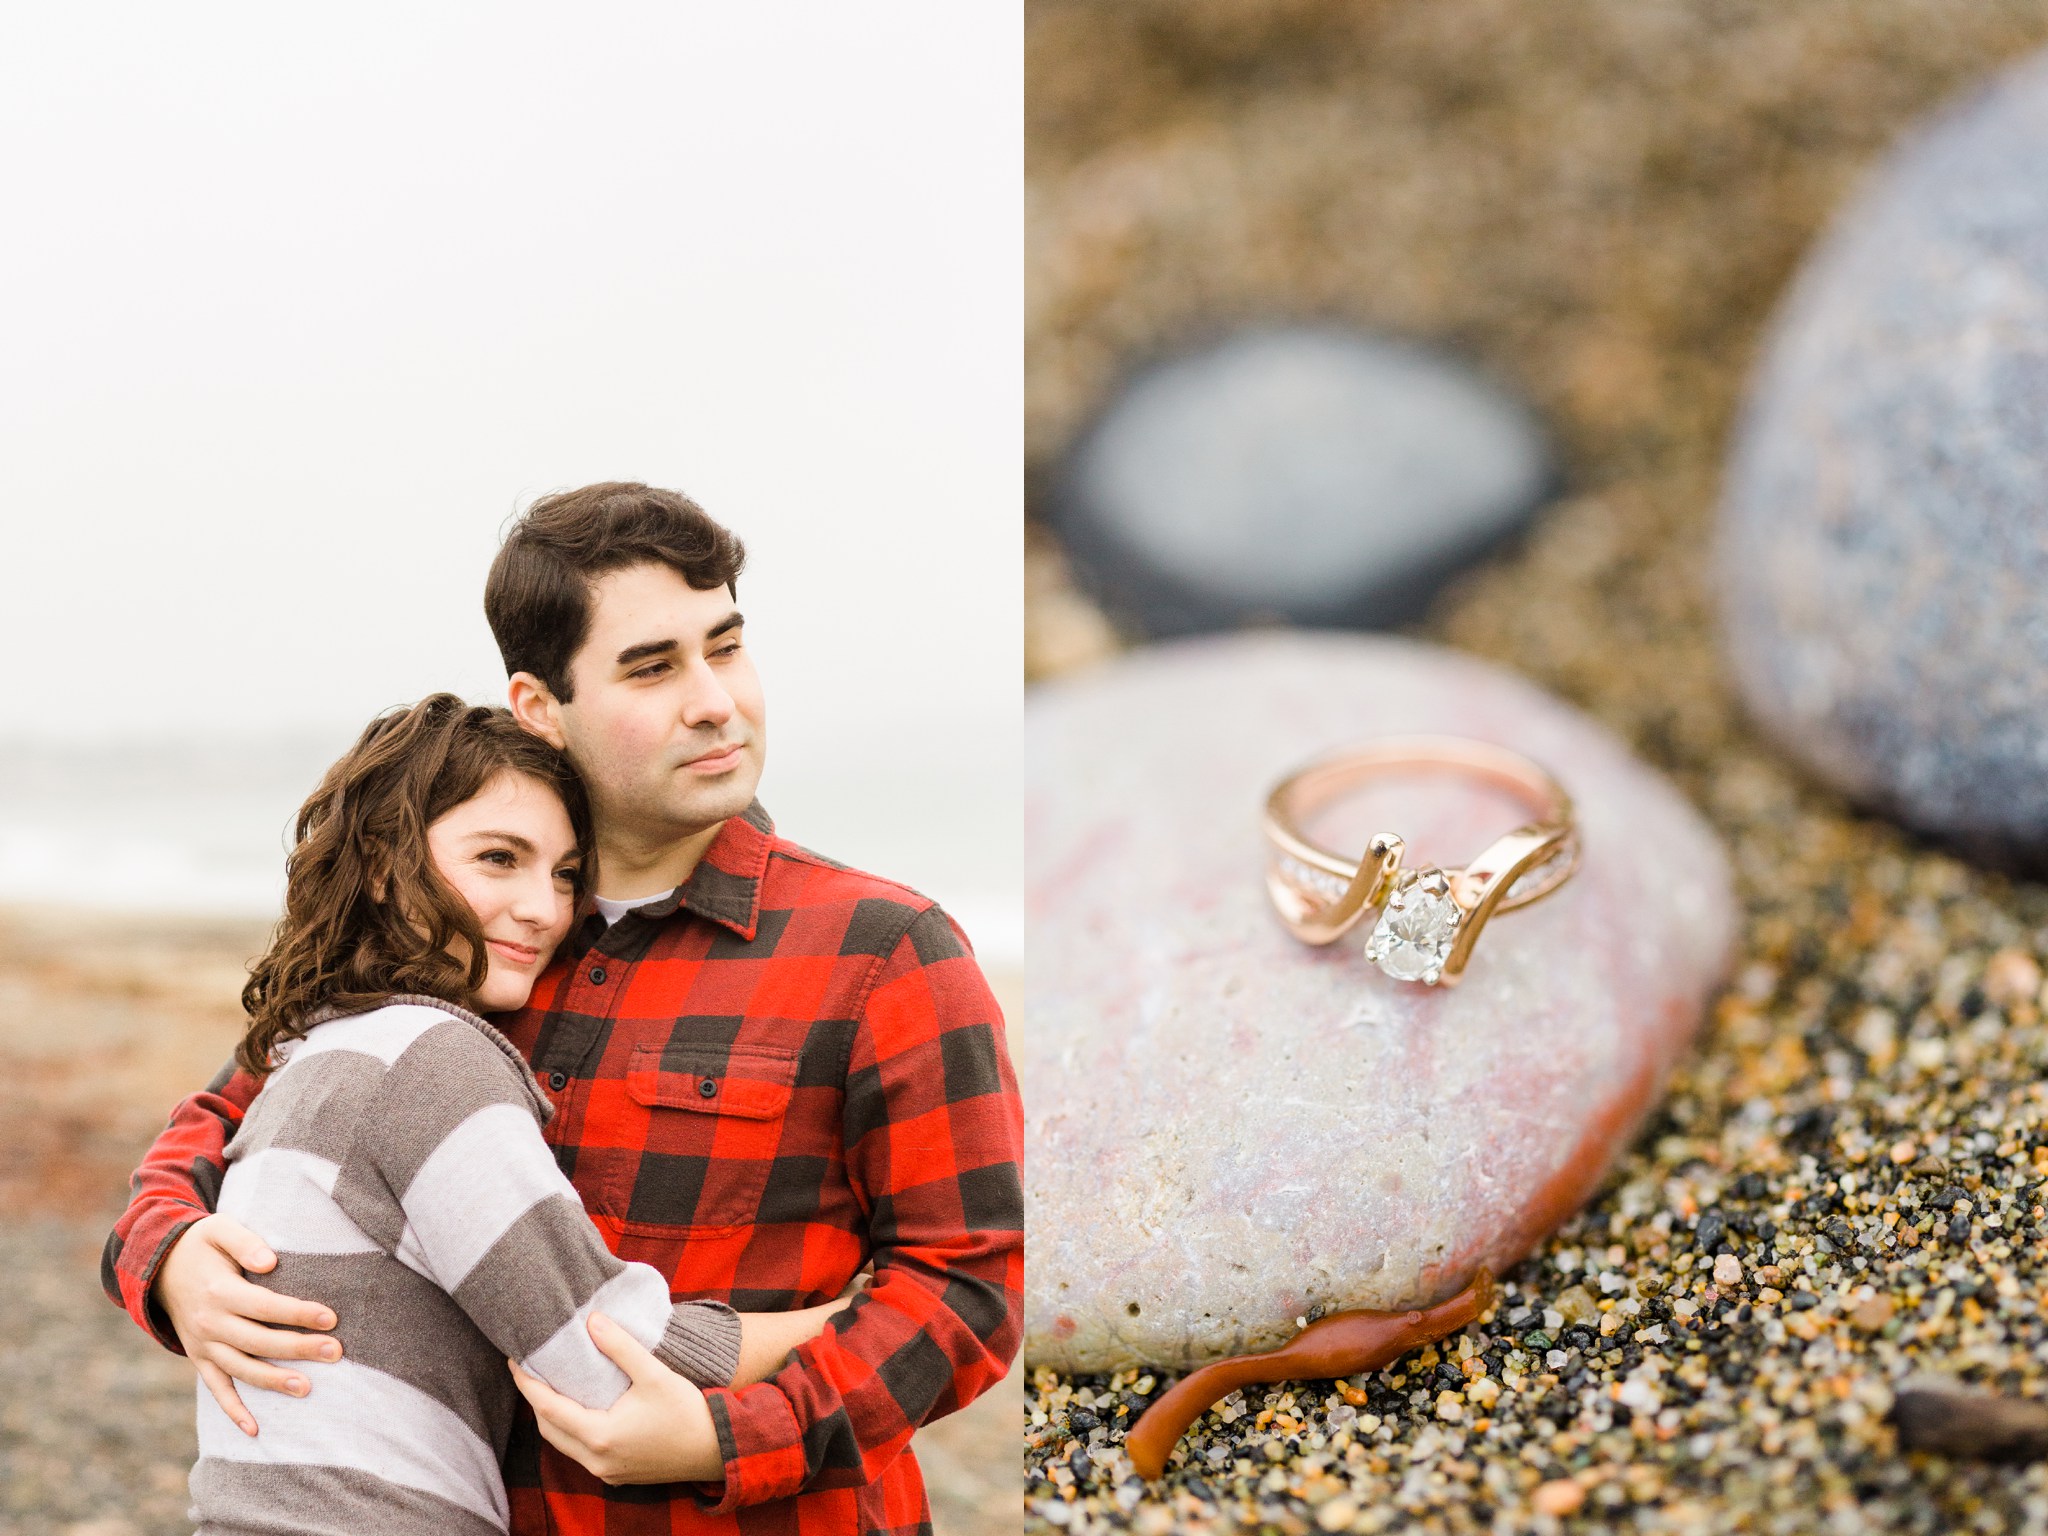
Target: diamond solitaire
x,y
1414,935
1429,917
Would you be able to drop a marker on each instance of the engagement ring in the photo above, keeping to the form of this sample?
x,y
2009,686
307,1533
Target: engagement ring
x,y
1431,916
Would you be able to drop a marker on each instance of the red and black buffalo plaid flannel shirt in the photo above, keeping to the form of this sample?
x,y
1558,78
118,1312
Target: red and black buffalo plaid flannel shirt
x,y
785,1070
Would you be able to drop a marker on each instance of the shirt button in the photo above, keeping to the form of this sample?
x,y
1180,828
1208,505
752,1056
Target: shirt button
x,y
558,1081
597,975
707,1088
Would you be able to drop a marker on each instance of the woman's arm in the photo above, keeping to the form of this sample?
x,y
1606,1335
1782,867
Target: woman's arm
x,y
768,1339
449,1171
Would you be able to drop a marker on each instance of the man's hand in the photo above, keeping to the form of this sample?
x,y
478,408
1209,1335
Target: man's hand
x,y
219,1316
660,1431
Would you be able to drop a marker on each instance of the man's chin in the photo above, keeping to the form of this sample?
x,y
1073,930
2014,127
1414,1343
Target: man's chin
x,y
717,799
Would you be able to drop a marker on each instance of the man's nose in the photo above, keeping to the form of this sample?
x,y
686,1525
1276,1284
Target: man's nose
x,y
706,702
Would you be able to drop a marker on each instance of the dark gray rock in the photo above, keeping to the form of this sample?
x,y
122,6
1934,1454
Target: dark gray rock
x,y
1883,554
1299,473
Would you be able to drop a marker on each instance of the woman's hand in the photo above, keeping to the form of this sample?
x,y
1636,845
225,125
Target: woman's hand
x,y
220,1317
660,1431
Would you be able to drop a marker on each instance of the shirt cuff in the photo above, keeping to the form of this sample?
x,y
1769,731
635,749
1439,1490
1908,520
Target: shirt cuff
x,y
702,1342
763,1447
146,1311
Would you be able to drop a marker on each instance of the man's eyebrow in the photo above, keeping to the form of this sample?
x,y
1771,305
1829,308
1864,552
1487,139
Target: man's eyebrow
x,y
523,844
643,650
648,648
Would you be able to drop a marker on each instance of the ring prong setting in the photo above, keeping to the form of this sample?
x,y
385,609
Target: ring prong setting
x,y
1417,928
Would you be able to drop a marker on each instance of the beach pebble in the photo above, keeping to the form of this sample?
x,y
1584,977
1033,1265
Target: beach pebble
x,y
1559,1497
1226,1129
1883,557
1312,474
1940,1414
2012,978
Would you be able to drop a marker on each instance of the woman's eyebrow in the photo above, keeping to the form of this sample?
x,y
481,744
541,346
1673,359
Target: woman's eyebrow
x,y
523,844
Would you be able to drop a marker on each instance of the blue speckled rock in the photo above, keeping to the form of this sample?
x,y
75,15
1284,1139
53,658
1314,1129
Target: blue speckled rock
x,y
1884,532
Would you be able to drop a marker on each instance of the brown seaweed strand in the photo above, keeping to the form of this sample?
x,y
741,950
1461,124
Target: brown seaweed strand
x,y
1339,1345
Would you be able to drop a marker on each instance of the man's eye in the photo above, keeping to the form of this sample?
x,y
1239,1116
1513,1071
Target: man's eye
x,y
728,650
652,669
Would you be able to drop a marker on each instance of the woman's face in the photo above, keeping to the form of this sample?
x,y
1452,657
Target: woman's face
x,y
509,852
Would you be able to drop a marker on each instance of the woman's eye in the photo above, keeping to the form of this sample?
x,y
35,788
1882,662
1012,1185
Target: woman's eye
x,y
501,858
569,876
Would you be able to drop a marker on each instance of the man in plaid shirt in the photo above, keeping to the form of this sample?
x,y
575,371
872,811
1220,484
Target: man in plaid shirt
x,y
769,1070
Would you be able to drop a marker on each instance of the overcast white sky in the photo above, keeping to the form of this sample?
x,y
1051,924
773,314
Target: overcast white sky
x,y
298,305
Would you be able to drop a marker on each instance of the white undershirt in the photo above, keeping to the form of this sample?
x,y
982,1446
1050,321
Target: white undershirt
x,y
614,910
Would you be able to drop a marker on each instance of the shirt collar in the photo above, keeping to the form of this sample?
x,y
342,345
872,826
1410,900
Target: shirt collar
x,y
726,884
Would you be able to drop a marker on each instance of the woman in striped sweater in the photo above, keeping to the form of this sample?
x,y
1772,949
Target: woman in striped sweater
x,y
394,1159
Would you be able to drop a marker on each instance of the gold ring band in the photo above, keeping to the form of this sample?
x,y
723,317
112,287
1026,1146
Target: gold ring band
x,y
1433,916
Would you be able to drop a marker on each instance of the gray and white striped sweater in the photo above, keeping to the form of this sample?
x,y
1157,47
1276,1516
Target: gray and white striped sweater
x,y
395,1164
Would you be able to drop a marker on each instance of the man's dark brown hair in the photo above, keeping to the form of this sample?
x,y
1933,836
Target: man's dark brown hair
x,y
538,596
366,914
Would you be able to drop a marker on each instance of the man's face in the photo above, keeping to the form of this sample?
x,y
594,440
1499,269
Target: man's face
x,y
667,725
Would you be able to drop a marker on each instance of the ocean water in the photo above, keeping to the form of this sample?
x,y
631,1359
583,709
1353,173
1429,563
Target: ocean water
x,y
200,827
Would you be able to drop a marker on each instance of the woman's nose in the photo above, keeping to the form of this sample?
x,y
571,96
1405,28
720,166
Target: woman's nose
x,y
538,902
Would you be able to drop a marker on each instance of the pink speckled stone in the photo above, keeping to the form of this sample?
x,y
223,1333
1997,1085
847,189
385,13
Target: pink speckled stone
x,y
1226,1128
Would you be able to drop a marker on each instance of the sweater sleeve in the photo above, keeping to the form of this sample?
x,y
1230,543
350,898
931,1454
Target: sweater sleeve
x,y
449,1173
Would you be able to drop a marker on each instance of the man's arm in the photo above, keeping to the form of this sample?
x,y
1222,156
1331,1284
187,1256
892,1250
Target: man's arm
x,y
177,1184
934,1143
177,1269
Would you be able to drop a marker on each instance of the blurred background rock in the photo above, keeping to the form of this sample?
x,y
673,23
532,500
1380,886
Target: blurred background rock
x,y
1598,204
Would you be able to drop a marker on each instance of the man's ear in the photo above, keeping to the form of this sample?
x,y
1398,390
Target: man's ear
x,y
534,707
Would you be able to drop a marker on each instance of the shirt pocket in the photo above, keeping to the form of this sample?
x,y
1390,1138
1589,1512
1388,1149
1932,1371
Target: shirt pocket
x,y
710,1119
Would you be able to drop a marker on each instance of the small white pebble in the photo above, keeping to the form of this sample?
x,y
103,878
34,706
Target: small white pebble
x,y
1640,1396
1727,1270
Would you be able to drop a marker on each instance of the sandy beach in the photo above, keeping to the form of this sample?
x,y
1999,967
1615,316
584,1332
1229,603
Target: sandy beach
x,y
104,1023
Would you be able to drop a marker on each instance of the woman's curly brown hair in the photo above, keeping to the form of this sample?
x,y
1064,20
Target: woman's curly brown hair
x,y
366,914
